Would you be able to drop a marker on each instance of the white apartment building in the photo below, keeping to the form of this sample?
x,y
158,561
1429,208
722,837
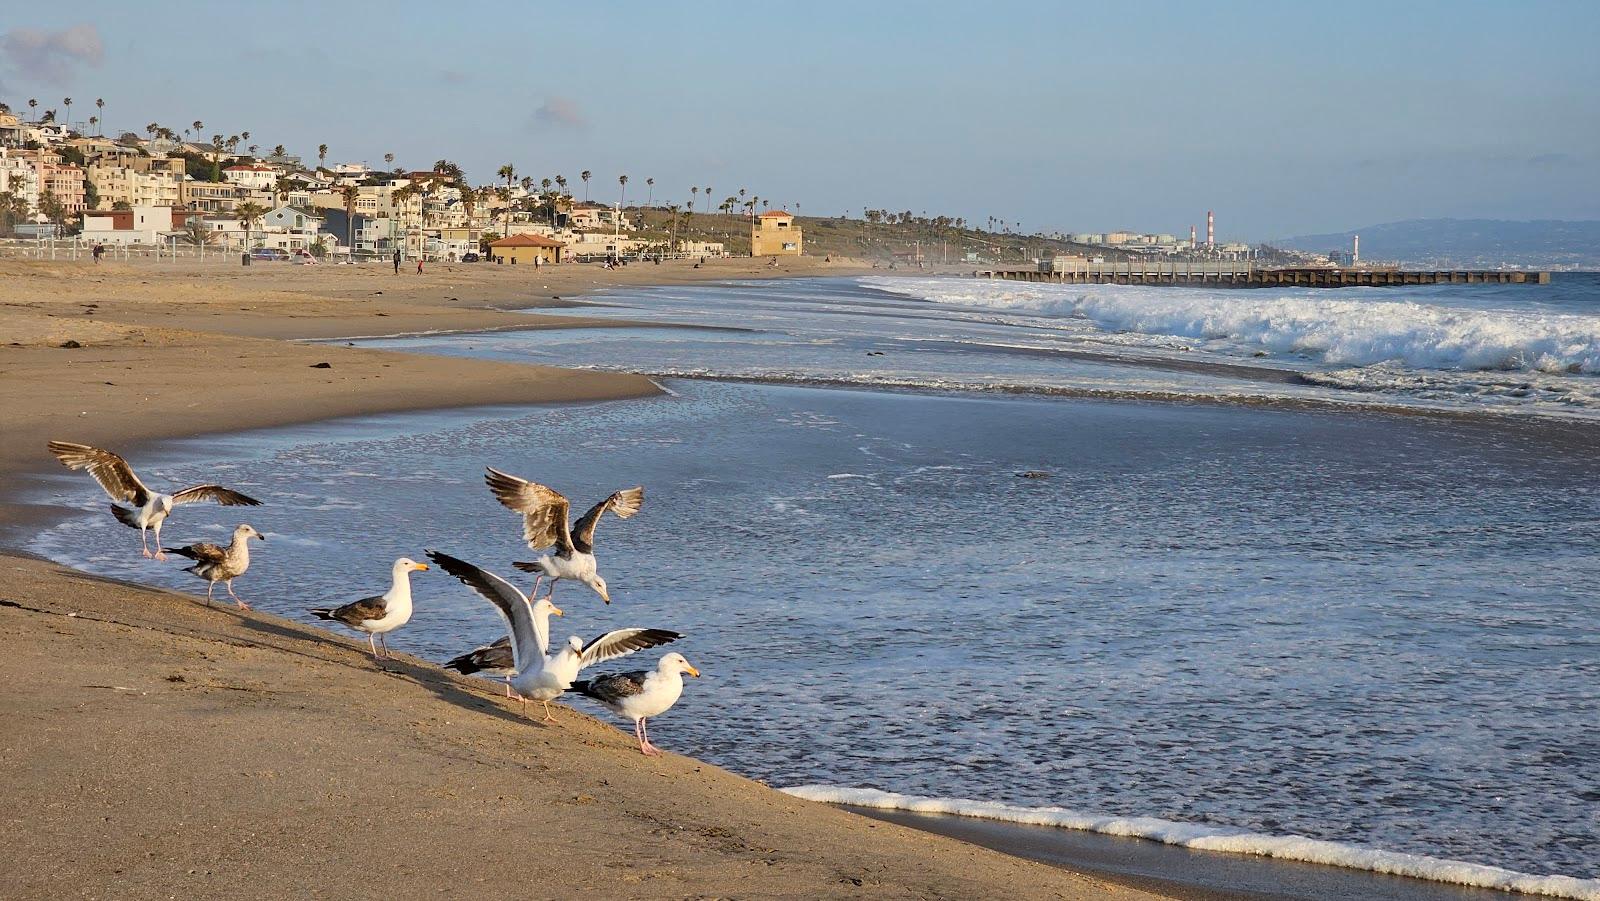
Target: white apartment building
x,y
252,176
119,184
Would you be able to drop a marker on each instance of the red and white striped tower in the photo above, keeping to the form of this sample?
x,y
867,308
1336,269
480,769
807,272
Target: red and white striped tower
x,y
1211,231
1193,243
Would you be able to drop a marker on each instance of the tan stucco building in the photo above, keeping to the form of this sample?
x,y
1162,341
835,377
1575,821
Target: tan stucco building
x,y
775,234
524,249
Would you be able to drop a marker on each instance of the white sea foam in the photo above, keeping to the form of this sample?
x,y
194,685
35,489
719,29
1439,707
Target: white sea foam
x,y
1211,838
1338,331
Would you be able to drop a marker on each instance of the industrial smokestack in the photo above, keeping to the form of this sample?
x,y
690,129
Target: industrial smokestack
x,y
1193,243
1211,230
1355,250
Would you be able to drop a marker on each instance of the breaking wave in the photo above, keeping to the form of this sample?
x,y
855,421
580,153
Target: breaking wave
x,y
1342,332
1212,838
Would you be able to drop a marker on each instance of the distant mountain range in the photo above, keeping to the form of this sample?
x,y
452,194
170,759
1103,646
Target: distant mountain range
x,y
1546,243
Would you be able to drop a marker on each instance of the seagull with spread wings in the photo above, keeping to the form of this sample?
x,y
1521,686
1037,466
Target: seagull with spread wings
x,y
545,524
150,508
535,673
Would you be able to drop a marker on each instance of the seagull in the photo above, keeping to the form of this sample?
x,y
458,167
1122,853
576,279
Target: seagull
x,y
641,694
150,509
379,615
536,673
493,659
544,524
220,564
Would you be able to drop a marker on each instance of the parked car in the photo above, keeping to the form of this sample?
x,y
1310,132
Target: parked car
x,y
470,258
269,253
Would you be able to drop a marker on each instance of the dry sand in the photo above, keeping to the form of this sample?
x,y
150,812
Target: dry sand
x,y
157,747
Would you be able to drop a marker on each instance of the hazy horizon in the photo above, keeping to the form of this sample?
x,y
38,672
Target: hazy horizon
x,y
1283,121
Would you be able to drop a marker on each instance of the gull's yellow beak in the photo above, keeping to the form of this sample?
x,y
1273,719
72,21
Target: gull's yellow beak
x,y
419,566
556,610
692,671
605,596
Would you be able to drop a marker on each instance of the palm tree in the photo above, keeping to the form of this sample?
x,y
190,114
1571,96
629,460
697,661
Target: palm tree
x,y
248,212
388,159
545,184
322,156
561,182
198,126
279,150
100,104
623,181
94,121
33,104
651,196
195,231
583,175
694,193
707,191
509,173
244,135
350,193
67,102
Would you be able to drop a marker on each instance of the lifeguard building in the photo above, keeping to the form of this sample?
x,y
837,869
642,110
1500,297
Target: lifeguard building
x,y
775,234
526,249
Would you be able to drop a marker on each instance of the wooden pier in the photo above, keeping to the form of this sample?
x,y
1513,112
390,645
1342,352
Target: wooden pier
x,y
1212,274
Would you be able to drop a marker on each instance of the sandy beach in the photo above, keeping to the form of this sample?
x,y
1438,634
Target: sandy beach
x,y
156,747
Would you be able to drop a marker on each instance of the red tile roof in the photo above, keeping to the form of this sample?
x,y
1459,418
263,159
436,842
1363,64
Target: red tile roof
x,y
777,213
527,241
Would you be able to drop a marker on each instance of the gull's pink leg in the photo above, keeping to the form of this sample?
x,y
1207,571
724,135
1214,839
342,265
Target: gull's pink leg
x,y
653,750
236,599
372,642
639,735
159,554
210,587
144,543
548,716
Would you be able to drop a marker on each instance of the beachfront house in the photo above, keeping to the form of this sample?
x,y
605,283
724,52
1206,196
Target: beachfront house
x,y
775,234
525,249
143,224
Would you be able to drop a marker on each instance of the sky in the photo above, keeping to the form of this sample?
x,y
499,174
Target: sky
x,y
1284,118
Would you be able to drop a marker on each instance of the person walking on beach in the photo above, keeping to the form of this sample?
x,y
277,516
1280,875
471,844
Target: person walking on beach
x,y
99,251
419,265
397,261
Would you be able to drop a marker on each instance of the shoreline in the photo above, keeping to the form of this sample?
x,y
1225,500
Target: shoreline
x,y
167,743
552,386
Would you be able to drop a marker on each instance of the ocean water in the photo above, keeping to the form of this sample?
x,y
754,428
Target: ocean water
x,y
1532,350
1356,634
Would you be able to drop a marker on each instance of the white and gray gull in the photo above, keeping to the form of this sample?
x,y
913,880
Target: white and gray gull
x,y
215,563
150,508
641,694
535,672
378,616
545,524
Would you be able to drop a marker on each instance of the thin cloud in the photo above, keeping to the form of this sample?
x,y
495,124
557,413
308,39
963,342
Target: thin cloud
x,y
562,113
51,56
452,77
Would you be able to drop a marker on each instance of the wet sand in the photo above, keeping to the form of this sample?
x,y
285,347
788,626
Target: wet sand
x,y
159,747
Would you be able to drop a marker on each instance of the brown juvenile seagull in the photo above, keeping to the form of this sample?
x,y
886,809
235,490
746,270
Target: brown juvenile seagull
x,y
150,508
221,564
544,524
